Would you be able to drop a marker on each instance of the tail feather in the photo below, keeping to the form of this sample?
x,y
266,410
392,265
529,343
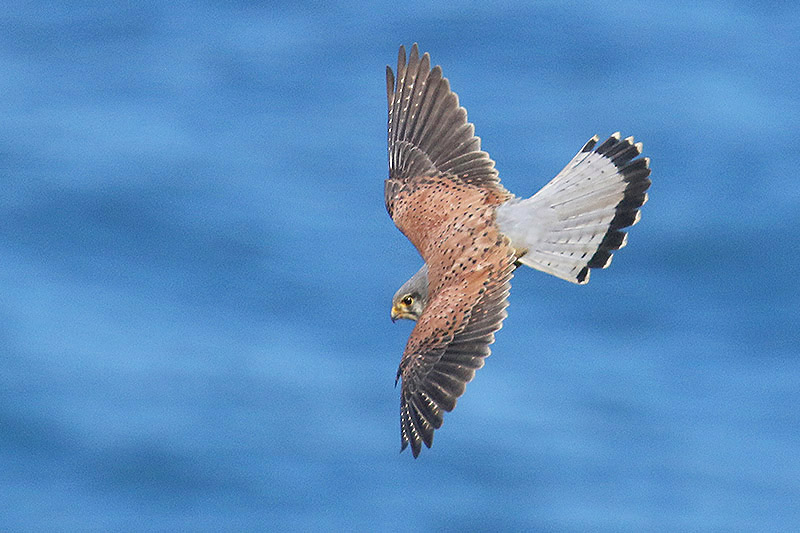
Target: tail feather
x,y
574,222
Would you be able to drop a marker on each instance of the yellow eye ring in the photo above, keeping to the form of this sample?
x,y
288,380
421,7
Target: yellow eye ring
x,y
408,300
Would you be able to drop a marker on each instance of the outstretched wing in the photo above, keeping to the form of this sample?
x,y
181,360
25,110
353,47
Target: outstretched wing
x,y
428,131
448,344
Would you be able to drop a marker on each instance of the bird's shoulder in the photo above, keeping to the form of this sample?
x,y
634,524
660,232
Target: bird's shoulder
x,y
438,210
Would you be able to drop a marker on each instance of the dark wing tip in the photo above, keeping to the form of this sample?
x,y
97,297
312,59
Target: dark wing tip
x,y
408,431
427,395
413,57
429,131
389,85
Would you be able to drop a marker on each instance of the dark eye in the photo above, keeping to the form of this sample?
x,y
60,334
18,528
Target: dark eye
x,y
408,300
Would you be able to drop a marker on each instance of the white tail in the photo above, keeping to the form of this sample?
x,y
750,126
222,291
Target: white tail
x,y
574,222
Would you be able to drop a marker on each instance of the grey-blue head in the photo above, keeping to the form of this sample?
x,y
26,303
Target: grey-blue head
x,y
410,300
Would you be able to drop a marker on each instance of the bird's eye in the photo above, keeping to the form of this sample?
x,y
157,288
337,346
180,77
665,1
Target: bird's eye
x,y
408,300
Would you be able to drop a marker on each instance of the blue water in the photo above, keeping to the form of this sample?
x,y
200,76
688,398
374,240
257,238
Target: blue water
x,y
196,268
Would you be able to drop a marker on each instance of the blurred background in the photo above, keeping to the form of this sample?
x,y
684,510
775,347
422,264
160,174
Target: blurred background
x,y
197,265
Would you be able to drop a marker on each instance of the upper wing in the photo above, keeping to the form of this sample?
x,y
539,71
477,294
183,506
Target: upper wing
x,y
428,131
448,344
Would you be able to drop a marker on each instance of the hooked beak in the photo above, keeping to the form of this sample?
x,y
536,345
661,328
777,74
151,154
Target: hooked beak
x,y
398,313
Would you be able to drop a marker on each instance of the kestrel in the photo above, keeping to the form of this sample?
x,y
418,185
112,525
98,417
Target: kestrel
x,y
444,194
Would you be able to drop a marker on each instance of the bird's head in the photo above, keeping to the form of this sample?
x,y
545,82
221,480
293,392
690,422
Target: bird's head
x,y
411,299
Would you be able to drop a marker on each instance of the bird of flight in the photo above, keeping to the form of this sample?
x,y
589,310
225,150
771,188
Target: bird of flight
x,y
444,194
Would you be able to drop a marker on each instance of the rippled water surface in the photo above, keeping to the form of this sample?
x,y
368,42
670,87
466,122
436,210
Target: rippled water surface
x,y
196,268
